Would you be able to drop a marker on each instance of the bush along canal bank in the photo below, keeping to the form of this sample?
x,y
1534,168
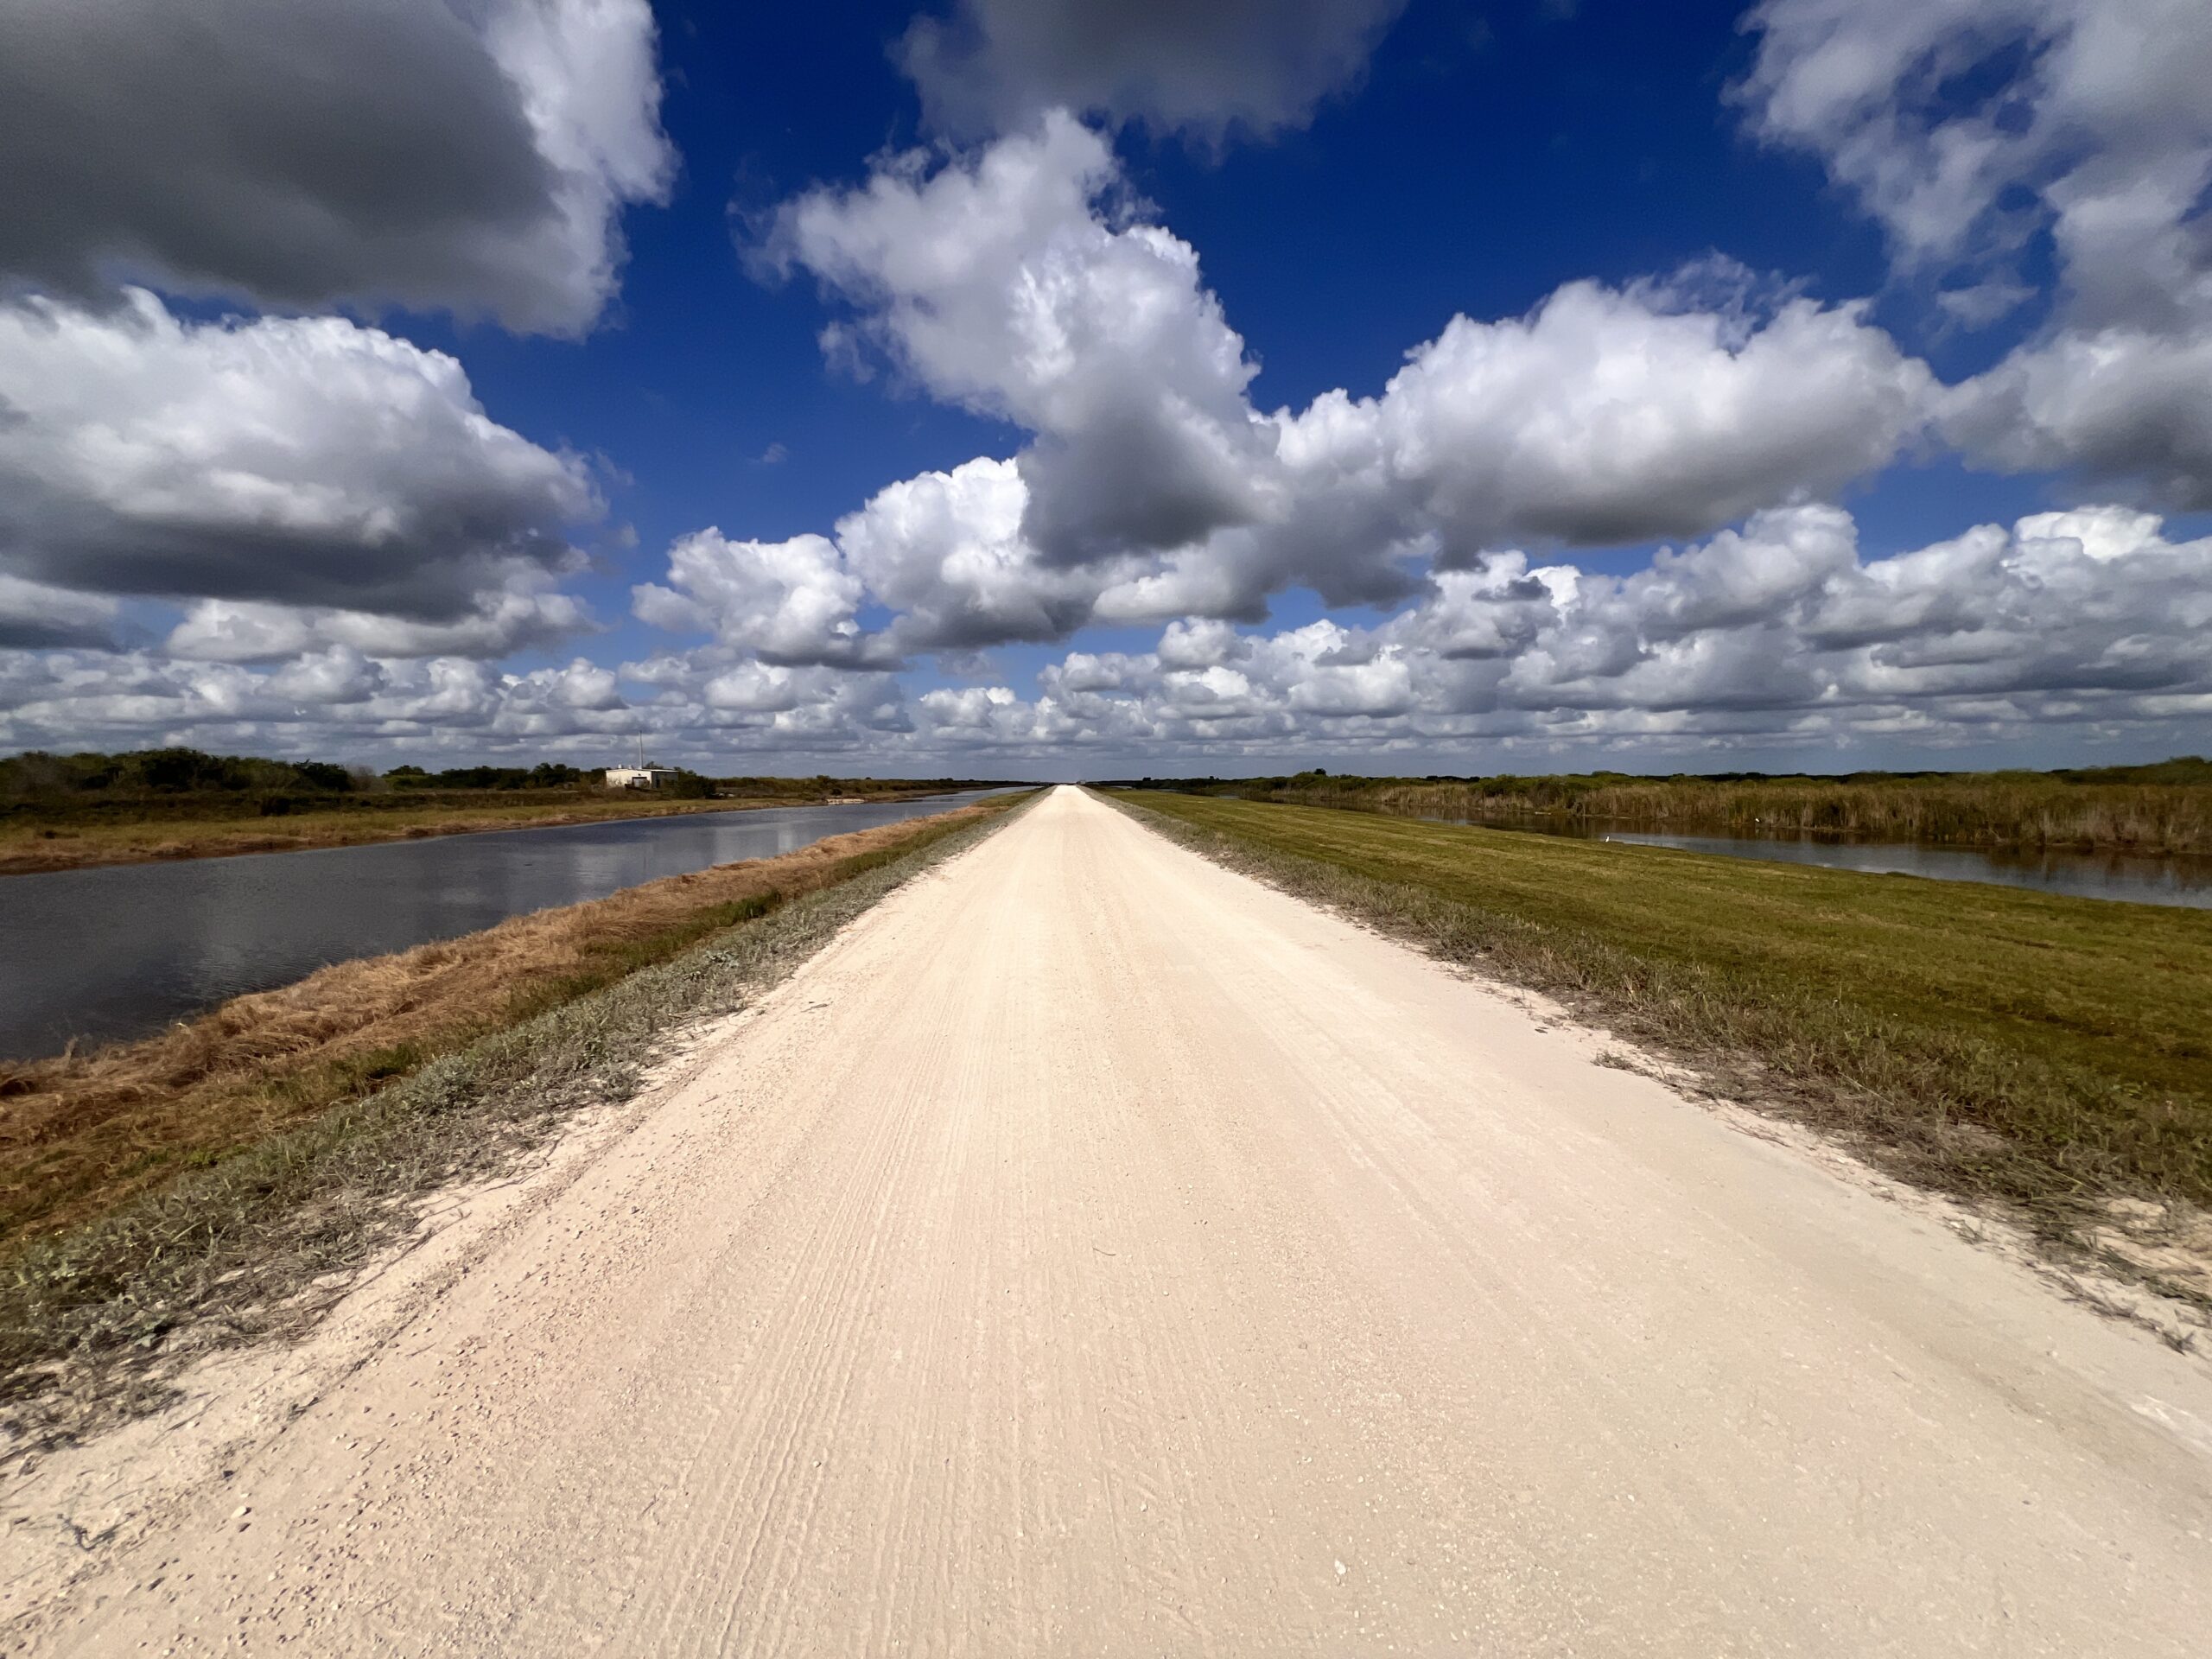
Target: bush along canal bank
x,y
2048,1055
227,1179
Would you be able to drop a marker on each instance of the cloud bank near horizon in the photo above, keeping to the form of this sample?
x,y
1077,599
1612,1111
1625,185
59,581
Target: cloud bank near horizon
x,y
306,533
1782,635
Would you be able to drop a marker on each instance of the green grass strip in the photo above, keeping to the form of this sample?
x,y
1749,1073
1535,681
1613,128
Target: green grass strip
x,y
2050,1052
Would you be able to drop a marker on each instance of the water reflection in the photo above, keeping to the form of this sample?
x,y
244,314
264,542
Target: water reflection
x,y
2128,876
116,952
2083,875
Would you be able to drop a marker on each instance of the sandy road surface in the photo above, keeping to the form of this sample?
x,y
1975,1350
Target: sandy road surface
x,y
1095,1253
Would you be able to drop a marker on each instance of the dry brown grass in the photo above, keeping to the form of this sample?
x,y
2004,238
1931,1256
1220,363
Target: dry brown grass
x,y
98,1320
82,1133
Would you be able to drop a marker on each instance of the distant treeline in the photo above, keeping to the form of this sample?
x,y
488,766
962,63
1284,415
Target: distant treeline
x,y
153,773
164,771
37,779
2161,808
823,785
544,775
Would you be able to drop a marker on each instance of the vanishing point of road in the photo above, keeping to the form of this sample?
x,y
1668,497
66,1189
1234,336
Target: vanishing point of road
x,y
1094,1252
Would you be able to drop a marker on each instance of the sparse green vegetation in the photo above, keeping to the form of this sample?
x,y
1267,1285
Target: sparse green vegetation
x,y
2050,1052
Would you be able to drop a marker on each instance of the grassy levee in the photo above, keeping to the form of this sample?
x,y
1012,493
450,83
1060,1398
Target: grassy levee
x,y
2052,1054
38,838
35,842
151,1216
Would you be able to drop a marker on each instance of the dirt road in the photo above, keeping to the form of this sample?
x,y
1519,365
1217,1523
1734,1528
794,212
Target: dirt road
x,y
1096,1253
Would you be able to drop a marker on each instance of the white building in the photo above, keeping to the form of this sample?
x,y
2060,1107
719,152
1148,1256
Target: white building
x,y
638,776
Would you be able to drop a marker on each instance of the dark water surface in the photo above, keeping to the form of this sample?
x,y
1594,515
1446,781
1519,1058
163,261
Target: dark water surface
x,y
121,950
2131,876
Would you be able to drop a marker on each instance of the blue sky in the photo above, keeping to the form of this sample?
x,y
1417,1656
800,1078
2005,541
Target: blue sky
x,y
1810,385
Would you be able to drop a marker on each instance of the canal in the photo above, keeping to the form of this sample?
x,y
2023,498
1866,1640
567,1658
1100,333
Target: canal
x,y
2134,878
114,952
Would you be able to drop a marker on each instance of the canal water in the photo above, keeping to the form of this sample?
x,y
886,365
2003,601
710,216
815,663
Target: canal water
x,y
2132,877
121,950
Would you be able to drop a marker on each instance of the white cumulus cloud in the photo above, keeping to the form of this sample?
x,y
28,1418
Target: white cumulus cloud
x,y
1780,634
792,601
299,462
1019,281
1972,129
474,158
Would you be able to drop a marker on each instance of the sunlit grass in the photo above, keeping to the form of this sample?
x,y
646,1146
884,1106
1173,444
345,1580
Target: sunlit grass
x,y
2053,1052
